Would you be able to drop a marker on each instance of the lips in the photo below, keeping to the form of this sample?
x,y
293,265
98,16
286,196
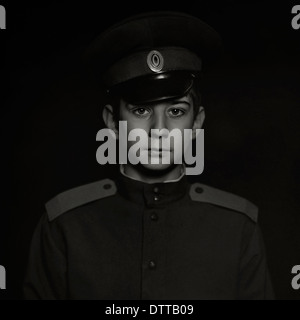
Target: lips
x,y
159,150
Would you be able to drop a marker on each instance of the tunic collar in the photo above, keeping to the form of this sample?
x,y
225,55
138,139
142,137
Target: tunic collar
x,y
152,194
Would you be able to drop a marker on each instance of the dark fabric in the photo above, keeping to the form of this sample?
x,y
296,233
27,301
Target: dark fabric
x,y
131,246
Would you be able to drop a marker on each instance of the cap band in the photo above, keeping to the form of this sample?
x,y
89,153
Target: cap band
x,y
156,87
151,62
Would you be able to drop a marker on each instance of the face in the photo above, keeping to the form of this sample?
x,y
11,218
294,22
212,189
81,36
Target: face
x,y
169,114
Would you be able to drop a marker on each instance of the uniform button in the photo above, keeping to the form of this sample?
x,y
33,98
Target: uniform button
x,y
154,217
199,190
107,186
152,264
156,198
155,189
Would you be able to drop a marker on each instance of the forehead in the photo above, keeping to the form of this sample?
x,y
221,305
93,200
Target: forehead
x,y
187,100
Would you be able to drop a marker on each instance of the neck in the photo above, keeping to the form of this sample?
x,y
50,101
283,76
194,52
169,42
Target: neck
x,y
150,176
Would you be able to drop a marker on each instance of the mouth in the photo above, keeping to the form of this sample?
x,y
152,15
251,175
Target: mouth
x,y
160,153
159,150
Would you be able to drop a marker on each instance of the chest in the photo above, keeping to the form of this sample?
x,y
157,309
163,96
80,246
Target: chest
x,y
132,252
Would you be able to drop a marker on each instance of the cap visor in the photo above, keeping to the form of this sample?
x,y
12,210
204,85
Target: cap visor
x,y
155,88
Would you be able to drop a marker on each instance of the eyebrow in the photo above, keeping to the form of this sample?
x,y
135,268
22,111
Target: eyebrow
x,y
173,102
179,102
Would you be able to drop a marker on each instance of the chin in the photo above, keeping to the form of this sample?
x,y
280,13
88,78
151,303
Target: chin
x,y
156,170
157,167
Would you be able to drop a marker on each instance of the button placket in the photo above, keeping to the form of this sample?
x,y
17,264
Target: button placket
x,y
156,194
154,216
152,264
153,252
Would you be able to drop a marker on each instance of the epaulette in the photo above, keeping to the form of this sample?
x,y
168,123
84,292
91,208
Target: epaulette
x,y
79,196
203,193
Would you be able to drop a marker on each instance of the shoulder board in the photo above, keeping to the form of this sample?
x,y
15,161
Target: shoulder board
x,y
78,196
203,193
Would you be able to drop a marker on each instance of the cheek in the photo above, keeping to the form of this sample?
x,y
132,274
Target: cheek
x,y
137,124
182,123
133,122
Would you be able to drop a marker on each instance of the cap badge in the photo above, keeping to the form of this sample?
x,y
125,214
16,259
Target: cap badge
x,y
155,61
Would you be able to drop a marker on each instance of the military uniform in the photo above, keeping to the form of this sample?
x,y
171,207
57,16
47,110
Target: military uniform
x,y
132,240
127,239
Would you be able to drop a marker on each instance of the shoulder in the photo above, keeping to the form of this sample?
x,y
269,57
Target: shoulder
x,y
203,193
79,196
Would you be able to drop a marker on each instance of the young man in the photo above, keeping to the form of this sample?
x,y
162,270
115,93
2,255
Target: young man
x,y
150,234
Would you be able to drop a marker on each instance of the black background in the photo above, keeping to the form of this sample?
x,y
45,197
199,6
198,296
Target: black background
x,y
50,114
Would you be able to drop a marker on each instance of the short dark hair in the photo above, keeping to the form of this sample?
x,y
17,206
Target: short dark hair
x,y
196,95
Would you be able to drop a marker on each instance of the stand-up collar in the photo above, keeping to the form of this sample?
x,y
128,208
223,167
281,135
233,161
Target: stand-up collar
x,y
152,194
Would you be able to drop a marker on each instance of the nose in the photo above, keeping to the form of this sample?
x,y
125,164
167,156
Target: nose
x,y
158,122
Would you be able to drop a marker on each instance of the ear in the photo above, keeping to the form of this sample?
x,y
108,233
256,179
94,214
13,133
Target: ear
x,y
198,121
108,118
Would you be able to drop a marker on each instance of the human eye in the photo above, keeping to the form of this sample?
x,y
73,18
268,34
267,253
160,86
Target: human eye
x,y
141,112
176,112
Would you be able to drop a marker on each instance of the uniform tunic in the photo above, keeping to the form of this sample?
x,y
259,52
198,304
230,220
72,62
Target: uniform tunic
x,y
132,240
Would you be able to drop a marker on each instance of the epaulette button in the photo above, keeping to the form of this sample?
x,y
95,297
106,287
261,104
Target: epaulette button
x,y
199,190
